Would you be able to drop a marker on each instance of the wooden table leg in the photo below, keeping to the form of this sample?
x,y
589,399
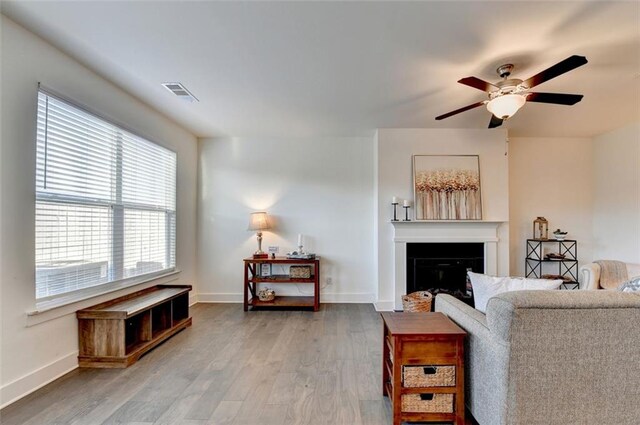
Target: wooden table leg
x,y
246,287
459,399
397,382
385,356
316,287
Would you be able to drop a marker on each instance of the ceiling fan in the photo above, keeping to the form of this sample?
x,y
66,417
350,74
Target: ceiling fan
x,y
506,97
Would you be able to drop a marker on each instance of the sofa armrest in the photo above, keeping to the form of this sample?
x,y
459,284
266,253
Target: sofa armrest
x,y
468,318
590,276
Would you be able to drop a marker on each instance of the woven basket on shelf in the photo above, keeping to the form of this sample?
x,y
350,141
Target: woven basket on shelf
x,y
300,272
417,302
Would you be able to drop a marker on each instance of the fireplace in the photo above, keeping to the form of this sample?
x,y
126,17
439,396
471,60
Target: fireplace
x,y
488,234
442,267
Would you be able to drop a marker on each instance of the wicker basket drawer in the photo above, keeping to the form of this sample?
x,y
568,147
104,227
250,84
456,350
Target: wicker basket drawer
x,y
428,376
427,403
300,272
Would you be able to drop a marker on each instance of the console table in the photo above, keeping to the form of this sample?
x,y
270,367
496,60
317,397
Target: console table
x,y
423,367
253,277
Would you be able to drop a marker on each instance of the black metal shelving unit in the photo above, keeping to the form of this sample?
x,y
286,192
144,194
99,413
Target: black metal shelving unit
x,y
567,267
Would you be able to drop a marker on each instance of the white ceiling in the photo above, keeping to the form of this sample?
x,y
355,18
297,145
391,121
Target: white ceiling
x,y
329,69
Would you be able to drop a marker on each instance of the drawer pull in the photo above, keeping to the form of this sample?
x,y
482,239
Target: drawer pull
x,y
429,370
424,397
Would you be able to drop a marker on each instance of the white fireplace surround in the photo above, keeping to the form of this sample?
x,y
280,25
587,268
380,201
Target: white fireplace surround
x,y
458,231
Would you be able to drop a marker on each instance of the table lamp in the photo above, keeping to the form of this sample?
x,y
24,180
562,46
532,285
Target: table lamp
x,y
259,221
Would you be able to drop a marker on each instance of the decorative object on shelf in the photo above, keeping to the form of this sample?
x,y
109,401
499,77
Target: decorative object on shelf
x,y
300,243
554,256
540,229
394,202
300,272
417,302
258,222
295,255
559,235
564,279
447,187
265,270
266,294
406,205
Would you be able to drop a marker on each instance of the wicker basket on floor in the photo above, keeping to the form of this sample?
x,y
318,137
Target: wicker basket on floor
x,y
417,302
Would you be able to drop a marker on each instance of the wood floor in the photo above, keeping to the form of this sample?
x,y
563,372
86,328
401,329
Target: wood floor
x,y
235,368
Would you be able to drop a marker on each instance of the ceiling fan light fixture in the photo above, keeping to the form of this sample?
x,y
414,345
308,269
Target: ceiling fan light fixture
x,y
506,106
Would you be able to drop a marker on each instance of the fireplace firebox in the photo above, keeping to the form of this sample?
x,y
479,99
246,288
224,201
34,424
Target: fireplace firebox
x,y
442,267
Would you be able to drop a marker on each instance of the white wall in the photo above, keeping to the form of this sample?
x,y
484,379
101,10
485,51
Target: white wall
x,y
395,148
550,177
34,353
616,200
322,188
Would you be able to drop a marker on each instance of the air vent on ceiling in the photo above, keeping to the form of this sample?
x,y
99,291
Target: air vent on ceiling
x,y
181,91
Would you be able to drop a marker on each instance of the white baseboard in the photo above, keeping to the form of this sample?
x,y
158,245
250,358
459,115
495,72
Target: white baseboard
x,y
21,387
384,305
355,298
220,297
193,299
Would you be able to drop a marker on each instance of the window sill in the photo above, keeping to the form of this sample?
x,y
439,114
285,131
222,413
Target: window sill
x,y
62,306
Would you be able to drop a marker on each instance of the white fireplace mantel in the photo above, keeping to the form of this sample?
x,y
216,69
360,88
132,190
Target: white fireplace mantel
x,y
451,231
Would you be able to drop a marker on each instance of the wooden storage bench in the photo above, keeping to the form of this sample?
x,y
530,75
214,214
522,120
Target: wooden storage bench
x,y
118,332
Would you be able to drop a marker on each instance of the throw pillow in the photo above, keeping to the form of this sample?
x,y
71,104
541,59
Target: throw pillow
x,y
485,287
632,285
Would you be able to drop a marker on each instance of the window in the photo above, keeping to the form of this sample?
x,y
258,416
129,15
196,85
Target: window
x,y
105,202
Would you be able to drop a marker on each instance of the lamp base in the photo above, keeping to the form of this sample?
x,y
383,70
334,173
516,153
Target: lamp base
x,y
261,255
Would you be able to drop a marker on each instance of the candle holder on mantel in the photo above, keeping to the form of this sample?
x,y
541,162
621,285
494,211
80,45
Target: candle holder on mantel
x,y
395,206
406,207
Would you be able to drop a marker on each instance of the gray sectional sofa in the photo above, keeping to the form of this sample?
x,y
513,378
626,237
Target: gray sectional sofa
x,y
552,357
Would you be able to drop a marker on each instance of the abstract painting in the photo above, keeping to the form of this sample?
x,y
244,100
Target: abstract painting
x,y
447,187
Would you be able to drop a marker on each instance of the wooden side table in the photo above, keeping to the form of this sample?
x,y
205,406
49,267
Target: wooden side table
x,y
423,367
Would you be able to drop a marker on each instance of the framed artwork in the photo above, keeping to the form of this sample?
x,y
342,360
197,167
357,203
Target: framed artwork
x,y
447,187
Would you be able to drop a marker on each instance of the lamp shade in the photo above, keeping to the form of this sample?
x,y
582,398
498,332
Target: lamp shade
x,y
506,106
258,221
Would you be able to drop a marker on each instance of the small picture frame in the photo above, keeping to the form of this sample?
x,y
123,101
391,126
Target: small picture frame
x,y
265,270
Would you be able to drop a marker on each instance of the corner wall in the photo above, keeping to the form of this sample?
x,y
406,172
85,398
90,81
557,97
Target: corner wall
x,y
35,350
320,187
550,177
616,200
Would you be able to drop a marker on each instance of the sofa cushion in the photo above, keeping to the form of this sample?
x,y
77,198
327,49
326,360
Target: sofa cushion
x,y
485,286
632,285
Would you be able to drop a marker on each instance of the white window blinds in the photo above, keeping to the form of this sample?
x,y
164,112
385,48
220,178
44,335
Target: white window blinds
x,y
105,202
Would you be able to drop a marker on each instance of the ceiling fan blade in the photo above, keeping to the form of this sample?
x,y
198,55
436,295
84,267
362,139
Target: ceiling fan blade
x,y
457,111
477,83
560,68
495,121
557,98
